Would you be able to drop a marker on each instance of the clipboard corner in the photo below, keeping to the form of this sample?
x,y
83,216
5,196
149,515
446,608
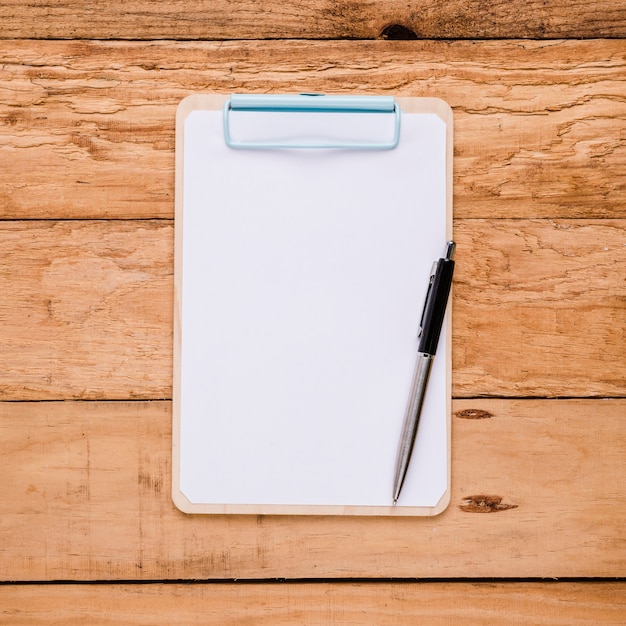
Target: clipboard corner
x,y
443,503
443,110
185,106
181,502
198,102
434,105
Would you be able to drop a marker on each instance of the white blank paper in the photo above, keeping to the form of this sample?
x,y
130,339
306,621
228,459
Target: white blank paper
x,y
303,279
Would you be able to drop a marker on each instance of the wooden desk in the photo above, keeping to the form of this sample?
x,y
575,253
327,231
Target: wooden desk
x,y
534,533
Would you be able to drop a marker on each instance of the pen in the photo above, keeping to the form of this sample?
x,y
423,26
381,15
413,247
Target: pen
x,y
429,331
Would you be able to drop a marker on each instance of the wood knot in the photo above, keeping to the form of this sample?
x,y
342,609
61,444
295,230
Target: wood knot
x,y
473,414
485,504
398,32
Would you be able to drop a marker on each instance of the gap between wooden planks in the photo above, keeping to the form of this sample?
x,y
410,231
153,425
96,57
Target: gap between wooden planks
x,y
537,491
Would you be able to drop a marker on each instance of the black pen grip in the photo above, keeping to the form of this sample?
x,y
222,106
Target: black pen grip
x,y
435,306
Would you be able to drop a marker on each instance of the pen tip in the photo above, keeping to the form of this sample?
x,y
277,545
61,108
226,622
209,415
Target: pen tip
x,y
395,501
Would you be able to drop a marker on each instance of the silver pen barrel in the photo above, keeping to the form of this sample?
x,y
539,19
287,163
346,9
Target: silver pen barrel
x,y
411,420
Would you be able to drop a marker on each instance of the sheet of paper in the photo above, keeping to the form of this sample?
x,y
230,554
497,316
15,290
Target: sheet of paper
x,y
304,274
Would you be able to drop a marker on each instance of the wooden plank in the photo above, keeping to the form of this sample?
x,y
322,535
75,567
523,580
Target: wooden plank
x,y
538,490
380,604
311,19
538,308
87,128
87,309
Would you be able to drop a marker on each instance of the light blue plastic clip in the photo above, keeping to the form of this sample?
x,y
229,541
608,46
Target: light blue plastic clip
x,y
312,103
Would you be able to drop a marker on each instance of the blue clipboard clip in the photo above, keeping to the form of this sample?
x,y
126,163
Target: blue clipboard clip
x,y
312,103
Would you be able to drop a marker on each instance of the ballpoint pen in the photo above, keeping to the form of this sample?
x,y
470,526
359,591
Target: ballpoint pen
x,y
429,331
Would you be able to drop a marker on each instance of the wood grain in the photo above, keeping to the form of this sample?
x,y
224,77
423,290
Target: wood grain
x,y
87,133
327,604
311,19
87,128
538,308
87,309
538,490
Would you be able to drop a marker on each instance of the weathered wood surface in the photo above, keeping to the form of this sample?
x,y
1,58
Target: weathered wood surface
x,y
87,133
538,309
87,309
87,128
538,490
311,19
357,604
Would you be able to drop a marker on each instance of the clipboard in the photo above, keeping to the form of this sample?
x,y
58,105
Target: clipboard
x,y
305,230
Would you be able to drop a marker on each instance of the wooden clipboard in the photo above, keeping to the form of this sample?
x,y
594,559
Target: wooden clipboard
x,y
300,273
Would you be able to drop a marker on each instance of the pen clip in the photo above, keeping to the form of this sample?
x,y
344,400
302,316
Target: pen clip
x,y
430,286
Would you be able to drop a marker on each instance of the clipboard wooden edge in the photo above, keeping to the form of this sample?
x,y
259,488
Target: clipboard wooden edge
x,y
216,102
